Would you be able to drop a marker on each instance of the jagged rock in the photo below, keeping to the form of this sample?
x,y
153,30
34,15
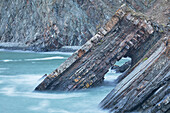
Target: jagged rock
x,y
122,68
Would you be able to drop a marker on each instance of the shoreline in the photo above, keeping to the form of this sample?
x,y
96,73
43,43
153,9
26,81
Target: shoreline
x,y
21,47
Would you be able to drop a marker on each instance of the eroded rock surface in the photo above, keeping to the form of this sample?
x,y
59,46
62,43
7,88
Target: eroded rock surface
x,y
44,25
86,68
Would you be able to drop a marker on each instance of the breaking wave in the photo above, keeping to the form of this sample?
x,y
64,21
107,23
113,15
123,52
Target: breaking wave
x,y
47,58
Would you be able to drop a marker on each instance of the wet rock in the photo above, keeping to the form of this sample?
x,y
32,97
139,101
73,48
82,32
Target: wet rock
x,y
122,68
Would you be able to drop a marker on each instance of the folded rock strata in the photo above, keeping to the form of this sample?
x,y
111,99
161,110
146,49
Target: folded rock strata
x,y
86,68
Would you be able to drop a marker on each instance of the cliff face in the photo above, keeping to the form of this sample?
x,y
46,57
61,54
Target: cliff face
x,y
47,25
42,25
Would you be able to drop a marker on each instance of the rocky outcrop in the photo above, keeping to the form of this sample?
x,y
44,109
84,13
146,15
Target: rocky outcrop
x,y
86,68
146,88
44,25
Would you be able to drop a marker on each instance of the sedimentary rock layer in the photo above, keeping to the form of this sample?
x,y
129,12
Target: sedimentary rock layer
x,y
87,67
146,88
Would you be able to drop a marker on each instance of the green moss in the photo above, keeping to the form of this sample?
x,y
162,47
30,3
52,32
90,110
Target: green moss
x,y
145,59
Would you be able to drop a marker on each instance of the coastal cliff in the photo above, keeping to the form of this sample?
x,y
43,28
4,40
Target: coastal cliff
x,y
139,29
45,25
41,25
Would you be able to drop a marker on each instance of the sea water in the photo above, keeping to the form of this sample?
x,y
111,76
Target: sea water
x,y
20,73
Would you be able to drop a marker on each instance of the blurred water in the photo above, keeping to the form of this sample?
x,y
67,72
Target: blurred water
x,y
20,73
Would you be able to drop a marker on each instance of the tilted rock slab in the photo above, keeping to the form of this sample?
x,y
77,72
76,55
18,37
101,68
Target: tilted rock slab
x,y
146,88
87,66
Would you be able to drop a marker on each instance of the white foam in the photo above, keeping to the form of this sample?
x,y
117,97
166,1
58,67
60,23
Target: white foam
x,y
126,58
25,79
10,60
7,76
58,111
11,91
51,96
18,51
47,58
8,91
110,78
44,106
30,82
7,60
111,75
56,52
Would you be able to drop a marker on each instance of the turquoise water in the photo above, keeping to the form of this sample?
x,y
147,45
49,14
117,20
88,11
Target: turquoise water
x,y
20,73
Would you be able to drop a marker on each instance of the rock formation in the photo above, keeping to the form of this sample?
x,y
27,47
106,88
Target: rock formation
x,y
86,68
45,25
42,25
145,87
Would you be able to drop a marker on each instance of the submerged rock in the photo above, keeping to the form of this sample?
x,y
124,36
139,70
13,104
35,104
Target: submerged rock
x,y
123,68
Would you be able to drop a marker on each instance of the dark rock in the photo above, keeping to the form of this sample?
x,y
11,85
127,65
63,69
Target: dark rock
x,y
123,68
116,68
